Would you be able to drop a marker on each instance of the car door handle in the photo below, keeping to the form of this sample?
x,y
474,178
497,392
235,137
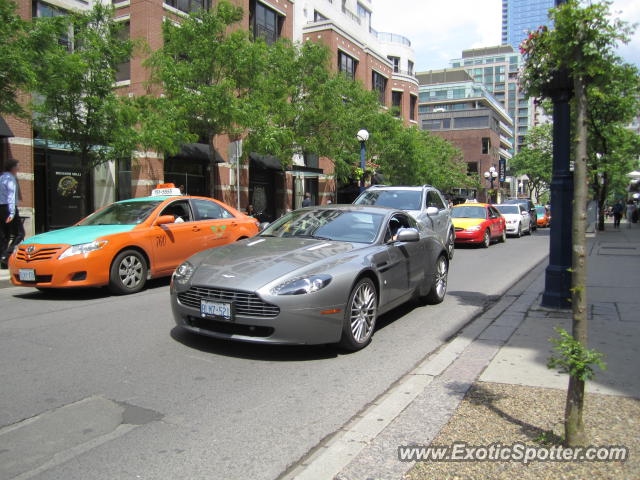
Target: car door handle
x,y
196,228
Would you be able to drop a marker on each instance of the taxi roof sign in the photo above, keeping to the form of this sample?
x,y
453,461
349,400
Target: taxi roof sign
x,y
166,190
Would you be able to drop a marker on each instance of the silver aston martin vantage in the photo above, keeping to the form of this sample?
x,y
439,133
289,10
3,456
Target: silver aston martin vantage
x,y
317,275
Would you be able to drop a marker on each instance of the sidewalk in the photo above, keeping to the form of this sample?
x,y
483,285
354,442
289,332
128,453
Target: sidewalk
x,y
490,384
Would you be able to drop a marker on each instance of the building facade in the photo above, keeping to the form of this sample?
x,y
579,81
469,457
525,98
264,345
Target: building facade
x,y
519,17
454,106
383,62
497,68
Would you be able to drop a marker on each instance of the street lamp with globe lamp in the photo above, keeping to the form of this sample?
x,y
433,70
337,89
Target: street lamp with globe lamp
x,y
363,136
491,175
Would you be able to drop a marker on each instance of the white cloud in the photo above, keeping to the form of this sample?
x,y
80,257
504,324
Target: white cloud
x,y
440,30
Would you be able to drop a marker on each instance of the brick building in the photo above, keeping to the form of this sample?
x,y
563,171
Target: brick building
x,y
453,106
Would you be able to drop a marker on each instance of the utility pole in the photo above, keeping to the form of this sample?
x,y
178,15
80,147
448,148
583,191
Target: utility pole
x,y
557,289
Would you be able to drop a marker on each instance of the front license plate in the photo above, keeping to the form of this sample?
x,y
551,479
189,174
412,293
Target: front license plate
x,y
27,275
219,310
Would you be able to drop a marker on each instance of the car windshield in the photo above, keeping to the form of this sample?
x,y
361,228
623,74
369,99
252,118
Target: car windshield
x,y
338,225
469,211
540,210
125,213
400,199
504,209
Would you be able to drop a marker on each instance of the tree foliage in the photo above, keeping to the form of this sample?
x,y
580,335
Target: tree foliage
x,y
535,159
74,101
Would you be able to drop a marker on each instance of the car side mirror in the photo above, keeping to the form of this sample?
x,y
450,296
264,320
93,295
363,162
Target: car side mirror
x,y
408,235
524,214
165,219
432,210
264,225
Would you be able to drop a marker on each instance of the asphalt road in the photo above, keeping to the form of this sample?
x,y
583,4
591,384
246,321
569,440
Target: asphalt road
x,y
143,400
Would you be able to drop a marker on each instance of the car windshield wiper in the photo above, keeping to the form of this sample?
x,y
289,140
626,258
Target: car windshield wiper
x,y
315,237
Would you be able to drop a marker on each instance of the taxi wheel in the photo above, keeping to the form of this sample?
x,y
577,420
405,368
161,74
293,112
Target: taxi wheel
x,y
486,240
503,237
128,273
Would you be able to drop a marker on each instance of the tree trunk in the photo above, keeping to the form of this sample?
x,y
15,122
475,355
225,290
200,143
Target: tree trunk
x,y
574,427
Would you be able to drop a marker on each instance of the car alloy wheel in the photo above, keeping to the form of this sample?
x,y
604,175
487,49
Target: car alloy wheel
x,y
503,237
360,316
486,240
128,273
451,245
519,233
438,289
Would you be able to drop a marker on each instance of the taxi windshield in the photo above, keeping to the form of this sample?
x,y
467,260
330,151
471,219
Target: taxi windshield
x,y
541,210
125,213
469,212
337,225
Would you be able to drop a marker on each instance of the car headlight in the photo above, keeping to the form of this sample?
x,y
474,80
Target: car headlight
x,y
475,228
83,248
302,286
183,273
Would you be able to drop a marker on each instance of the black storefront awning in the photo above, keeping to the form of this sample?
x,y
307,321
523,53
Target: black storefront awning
x,y
5,131
268,162
198,151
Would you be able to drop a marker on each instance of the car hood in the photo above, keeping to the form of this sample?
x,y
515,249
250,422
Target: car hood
x,y
512,216
253,263
466,222
77,234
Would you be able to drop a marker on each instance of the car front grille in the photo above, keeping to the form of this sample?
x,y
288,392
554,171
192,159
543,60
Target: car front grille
x,y
246,304
39,253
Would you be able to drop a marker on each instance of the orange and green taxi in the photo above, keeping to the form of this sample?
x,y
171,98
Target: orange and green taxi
x,y
126,243
478,223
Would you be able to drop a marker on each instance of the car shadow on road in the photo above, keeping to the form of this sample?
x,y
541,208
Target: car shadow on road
x,y
83,294
475,299
254,351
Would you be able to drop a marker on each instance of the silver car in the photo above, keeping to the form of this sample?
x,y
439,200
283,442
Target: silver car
x,y
424,203
315,276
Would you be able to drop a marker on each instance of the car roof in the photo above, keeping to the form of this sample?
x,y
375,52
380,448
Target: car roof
x,y
348,207
399,187
478,204
148,199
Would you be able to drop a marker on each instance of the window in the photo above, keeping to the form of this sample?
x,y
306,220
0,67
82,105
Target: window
x,y
43,10
208,210
124,69
396,102
412,107
379,84
318,17
347,65
396,63
472,168
266,22
437,124
186,5
486,145
180,210
364,14
434,200
410,70
471,122
311,160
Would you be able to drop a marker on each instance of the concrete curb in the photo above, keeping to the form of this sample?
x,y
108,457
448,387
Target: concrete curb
x,y
365,448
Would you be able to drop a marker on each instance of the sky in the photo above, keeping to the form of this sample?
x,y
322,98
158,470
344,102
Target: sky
x,y
440,30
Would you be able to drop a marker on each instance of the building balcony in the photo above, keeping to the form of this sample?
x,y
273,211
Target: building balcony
x,y
504,129
505,154
506,142
392,38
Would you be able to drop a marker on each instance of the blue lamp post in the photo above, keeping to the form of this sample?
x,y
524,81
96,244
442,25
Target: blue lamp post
x,y
363,136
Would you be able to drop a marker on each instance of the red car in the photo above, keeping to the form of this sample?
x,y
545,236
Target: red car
x,y
478,223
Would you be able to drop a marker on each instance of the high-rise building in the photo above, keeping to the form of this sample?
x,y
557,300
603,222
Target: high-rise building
x,y
521,16
497,68
455,107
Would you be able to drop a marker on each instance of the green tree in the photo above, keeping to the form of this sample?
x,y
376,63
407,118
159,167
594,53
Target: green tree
x,y
75,102
613,149
535,159
22,46
208,69
582,45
